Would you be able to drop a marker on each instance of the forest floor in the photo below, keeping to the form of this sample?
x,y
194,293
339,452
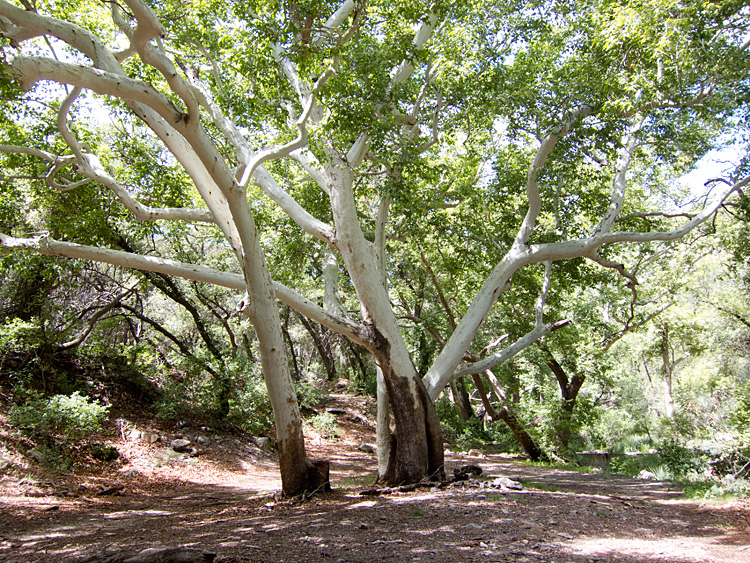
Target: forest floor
x,y
224,500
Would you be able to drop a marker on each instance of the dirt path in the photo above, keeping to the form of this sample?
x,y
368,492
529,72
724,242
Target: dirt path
x,y
217,503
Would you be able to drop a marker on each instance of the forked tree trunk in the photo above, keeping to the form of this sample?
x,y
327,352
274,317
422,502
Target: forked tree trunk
x,y
417,445
416,451
569,388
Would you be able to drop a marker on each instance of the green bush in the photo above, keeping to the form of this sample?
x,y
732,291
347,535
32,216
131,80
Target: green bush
x,y
325,424
681,461
251,408
70,418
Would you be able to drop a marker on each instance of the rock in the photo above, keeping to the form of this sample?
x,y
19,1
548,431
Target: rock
x,y
36,455
264,444
150,437
645,474
5,464
367,448
505,483
466,471
116,488
358,418
336,411
168,455
203,440
181,445
475,453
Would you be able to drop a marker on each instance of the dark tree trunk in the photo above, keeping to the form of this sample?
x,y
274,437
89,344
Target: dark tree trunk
x,y
322,345
355,360
483,395
461,398
523,437
569,388
290,344
417,445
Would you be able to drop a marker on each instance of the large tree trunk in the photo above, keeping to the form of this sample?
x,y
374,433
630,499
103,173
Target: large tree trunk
x,y
298,474
417,445
416,451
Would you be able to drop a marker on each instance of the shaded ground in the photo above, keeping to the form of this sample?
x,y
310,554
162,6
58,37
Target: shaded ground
x,y
222,501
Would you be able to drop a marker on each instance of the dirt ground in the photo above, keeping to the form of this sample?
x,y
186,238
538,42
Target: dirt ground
x,y
224,500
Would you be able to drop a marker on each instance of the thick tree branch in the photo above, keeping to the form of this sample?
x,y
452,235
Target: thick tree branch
x,y
50,247
33,69
28,24
532,179
90,166
504,355
619,185
298,143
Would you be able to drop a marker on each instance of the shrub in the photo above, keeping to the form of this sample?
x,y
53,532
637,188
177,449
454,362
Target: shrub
x,y
680,461
325,424
70,418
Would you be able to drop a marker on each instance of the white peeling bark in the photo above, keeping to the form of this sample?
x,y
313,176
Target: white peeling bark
x,y
383,425
31,70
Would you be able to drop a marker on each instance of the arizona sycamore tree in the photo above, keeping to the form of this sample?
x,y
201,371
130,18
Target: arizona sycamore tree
x,y
357,120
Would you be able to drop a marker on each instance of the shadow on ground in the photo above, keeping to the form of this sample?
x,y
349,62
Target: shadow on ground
x,y
560,517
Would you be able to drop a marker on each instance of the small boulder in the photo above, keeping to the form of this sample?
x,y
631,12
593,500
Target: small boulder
x,y
264,444
150,437
505,483
115,489
181,445
367,448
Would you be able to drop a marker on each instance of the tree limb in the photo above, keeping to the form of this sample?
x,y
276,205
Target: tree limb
x,y
50,247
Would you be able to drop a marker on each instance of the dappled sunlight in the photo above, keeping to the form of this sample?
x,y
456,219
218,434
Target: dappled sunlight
x,y
461,523
674,550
